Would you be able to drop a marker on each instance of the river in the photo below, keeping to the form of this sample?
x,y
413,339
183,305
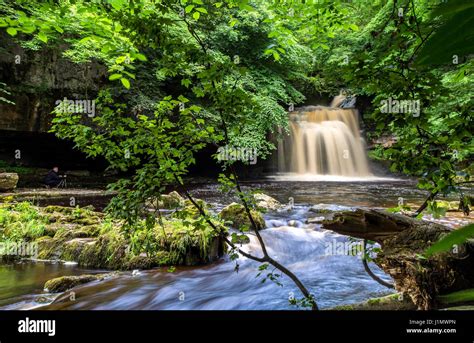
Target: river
x,y
334,279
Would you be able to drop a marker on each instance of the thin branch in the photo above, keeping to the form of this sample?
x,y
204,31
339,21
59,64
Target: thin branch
x,y
266,257
425,204
370,272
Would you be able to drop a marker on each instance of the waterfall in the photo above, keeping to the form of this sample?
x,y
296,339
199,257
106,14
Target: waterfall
x,y
323,141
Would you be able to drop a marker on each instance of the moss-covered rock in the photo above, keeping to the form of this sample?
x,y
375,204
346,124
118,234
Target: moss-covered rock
x,y
184,238
64,283
8,181
168,201
237,214
172,200
142,262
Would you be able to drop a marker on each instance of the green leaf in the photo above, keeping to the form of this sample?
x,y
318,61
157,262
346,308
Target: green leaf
x,y
196,15
12,31
117,4
125,82
189,8
456,237
42,37
452,38
141,57
186,82
466,295
201,9
246,7
115,77
354,27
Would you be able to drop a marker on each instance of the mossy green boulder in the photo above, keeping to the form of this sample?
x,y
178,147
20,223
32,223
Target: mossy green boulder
x,y
168,201
64,283
237,214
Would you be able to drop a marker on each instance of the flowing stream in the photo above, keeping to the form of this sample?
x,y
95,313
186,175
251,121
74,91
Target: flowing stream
x,y
334,279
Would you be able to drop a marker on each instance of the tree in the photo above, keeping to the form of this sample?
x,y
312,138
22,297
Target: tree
x,y
213,82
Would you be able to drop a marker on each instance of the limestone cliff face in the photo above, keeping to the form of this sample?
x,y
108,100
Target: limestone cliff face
x,y
37,79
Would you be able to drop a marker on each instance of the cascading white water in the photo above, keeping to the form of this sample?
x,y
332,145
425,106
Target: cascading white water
x,y
323,141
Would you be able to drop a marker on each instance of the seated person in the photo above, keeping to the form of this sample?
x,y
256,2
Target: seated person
x,y
52,179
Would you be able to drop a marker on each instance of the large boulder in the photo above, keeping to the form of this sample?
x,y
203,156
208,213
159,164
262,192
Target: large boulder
x,y
8,181
266,202
236,214
168,201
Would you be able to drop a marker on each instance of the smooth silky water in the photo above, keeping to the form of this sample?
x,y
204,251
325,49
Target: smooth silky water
x,y
333,279
323,141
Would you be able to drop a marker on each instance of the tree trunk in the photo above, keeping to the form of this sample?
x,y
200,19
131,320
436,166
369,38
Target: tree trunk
x,y
403,241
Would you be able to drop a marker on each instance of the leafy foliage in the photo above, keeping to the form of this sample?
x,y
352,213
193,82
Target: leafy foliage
x,y
457,237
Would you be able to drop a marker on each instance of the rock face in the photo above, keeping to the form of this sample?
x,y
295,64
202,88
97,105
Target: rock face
x,y
266,202
236,214
8,181
36,80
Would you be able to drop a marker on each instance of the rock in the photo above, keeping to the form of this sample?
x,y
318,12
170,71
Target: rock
x,y
238,216
8,181
266,202
42,300
319,210
104,244
137,263
168,201
315,220
295,223
390,302
172,200
110,172
64,283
